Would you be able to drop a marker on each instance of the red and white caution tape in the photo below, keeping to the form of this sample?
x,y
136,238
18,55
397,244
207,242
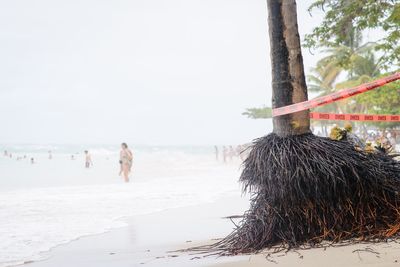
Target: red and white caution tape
x,y
354,117
343,94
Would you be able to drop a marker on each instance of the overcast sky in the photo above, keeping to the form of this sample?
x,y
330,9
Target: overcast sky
x,y
141,71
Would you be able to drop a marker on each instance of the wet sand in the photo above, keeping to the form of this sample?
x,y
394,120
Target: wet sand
x,y
149,238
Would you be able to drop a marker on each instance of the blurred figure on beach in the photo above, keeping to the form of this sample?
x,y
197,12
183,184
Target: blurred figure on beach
x,y
224,153
216,153
72,157
32,161
383,139
88,159
5,153
50,155
125,161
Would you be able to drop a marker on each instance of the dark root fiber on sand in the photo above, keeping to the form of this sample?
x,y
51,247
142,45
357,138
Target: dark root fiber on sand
x,y
308,189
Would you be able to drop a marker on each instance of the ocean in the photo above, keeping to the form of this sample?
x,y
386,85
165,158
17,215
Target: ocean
x,y
55,201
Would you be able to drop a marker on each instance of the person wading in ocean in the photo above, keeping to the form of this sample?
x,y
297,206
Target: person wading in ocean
x,y
125,160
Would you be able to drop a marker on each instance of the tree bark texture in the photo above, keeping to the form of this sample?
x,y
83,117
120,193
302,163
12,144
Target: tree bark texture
x,y
288,80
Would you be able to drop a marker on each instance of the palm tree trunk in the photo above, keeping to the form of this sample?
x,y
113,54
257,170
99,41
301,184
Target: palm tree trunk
x,y
288,81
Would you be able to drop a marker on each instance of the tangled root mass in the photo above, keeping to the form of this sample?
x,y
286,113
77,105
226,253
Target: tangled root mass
x,y
308,189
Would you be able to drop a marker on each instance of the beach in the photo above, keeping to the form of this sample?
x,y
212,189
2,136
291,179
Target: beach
x,y
57,213
55,201
151,240
200,133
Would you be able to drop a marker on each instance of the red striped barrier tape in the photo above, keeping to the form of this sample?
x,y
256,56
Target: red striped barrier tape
x,y
353,117
343,94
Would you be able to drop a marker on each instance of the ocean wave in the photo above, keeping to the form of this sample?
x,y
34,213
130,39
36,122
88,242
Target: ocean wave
x,y
38,219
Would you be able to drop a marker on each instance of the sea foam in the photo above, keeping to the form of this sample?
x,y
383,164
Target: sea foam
x,y
36,219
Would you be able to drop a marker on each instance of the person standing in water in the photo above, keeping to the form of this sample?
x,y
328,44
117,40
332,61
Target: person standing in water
x,y
125,160
224,153
88,159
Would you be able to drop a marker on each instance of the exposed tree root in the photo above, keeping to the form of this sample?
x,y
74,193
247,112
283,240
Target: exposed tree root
x,y
308,189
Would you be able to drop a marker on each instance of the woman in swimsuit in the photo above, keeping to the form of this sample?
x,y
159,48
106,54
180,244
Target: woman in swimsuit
x,y
125,159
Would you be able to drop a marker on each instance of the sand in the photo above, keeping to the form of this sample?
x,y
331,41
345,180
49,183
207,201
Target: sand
x,y
148,238
382,254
